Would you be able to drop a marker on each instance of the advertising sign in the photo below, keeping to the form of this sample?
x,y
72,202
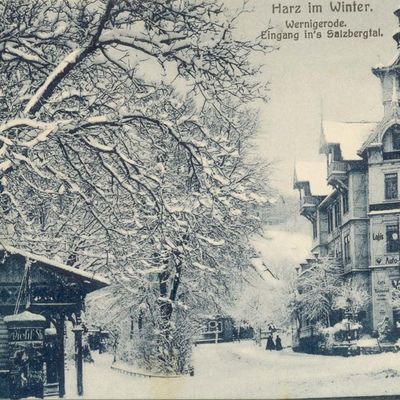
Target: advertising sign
x,y
26,362
26,343
381,297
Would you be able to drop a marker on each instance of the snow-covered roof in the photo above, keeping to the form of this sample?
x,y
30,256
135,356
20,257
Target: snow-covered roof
x,y
390,64
91,276
349,135
313,172
24,316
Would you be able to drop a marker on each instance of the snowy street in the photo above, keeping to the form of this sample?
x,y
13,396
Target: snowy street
x,y
243,370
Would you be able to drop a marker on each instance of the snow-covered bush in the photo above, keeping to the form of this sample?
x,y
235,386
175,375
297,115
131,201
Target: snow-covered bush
x,y
327,337
157,351
384,330
343,331
396,297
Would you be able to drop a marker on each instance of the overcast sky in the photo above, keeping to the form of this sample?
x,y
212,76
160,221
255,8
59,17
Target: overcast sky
x,y
303,72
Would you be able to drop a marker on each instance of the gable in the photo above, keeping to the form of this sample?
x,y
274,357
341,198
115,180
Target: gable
x,y
376,138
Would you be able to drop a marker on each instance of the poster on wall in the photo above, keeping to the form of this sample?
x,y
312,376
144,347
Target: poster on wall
x,y
26,361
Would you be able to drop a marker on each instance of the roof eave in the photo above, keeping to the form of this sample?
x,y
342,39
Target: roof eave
x,y
326,200
372,145
59,267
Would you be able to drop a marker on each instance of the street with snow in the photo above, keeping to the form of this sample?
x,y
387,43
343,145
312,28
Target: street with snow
x,y
244,370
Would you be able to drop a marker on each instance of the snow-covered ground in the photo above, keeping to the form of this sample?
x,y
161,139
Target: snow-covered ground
x,y
243,370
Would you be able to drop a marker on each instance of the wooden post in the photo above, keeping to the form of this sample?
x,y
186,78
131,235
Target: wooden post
x,y
100,341
78,359
60,355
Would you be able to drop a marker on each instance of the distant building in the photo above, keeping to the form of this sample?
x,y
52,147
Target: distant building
x,y
220,329
355,208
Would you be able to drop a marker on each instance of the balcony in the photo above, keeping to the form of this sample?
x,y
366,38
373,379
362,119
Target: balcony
x,y
308,205
337,174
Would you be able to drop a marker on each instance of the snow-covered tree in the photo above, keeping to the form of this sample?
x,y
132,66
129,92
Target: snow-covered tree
x,y
124,143
253,303
318,287
352,297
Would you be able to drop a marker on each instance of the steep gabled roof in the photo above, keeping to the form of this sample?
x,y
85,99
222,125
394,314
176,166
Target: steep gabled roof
x,y
375,139
350,136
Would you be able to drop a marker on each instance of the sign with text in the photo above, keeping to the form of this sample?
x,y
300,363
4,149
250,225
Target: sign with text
x,y
19,334
25,345
381,253
381,296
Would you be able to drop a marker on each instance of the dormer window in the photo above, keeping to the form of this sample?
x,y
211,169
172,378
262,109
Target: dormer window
x,y
396,139
391,143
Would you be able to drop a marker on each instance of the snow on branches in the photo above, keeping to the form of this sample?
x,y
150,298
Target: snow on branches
x,y
322,288
124,142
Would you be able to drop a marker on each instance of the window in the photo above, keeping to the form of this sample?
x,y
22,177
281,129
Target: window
x,y
314,229
390,186
214,326
338,250
392,238
330,220
346,245
338,216
345,199
396,139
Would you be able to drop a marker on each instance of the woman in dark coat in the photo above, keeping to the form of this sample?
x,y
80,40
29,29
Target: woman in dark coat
x,y
270,343
278,342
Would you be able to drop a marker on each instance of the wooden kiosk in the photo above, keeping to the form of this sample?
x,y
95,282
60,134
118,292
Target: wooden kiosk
x,y
37,296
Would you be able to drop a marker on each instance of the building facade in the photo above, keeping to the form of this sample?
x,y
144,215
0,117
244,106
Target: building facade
x,y
355,216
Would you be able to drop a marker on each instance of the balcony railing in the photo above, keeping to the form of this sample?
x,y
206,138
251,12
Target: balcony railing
x,y
337,173
337,167
308,205
309,201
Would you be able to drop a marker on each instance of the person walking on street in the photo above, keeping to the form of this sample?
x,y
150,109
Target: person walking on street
x,y
270,343
278,343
